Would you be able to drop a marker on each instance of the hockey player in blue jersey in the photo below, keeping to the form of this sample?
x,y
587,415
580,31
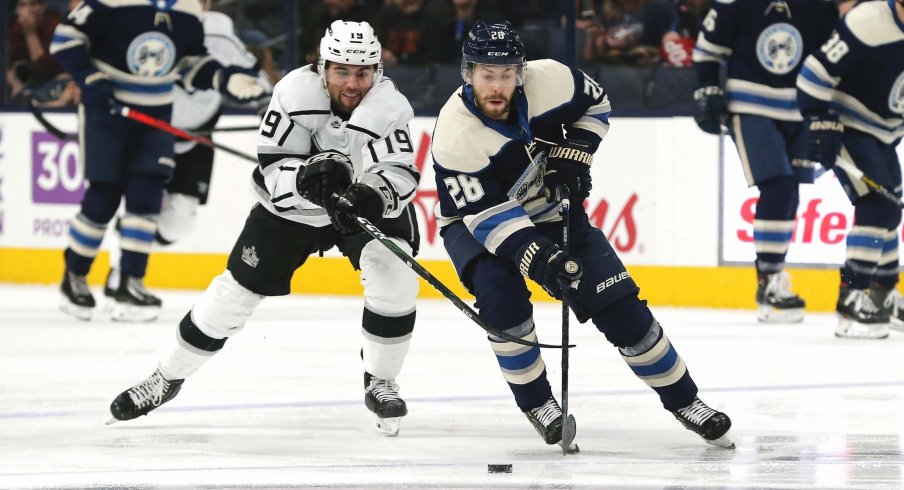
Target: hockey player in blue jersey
x,y
851,93
499,219
763,43
130,52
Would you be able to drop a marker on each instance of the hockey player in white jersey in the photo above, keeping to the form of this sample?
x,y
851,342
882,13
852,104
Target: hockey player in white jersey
x,y
333,144
851,93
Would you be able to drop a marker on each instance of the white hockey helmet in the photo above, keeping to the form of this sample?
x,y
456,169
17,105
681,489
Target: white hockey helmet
x,y
350,43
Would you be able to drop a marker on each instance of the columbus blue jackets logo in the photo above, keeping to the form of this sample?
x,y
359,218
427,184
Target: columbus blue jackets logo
x,y
780,48
896,97
151,54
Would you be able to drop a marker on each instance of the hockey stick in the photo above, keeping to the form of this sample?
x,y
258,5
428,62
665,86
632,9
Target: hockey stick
x,y
229,129
39,115
569,426
378,235
129,113
852,170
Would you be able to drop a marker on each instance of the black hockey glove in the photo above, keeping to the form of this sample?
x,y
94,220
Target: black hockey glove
x,y
96,91
823,139
568,164
545,263
711,109
358,200
239,84
325,173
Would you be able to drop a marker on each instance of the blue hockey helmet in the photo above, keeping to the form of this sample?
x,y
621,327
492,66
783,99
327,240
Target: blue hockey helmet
x,y
492,44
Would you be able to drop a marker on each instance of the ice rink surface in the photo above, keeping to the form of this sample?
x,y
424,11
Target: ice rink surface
x,y
282,405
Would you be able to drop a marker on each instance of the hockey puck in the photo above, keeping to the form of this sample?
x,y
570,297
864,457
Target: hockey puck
x,y
499,468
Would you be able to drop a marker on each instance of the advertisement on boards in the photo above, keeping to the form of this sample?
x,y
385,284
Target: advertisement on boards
x,y
655,190
824,217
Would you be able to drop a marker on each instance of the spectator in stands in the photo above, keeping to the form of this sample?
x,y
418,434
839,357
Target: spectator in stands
x,y
401,25
454,19
678,44
317,16
30,63
629,31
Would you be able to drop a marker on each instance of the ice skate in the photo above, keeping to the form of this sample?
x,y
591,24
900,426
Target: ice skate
x,y
144,397
110,287
777,303
859,317
134,303
891,303
547,420
709,424
76,299
381,396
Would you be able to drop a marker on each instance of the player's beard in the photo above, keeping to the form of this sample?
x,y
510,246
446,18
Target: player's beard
x,y
495,111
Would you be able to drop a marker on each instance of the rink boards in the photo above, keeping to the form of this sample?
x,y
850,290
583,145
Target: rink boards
x,y
679,216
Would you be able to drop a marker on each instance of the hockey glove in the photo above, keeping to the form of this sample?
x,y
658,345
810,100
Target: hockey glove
x,y
823,138
711,110
239,84
325,173
358,200
568,164
545,263
97,91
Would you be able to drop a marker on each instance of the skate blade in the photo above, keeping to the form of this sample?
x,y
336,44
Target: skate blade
x,y
723,442
134,314
389,426
569,430
83,313
768,314
850,329
106,306
112,420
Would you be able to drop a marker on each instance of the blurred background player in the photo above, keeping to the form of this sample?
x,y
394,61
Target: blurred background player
x,y
195,111
763,43
499,217
851,92
136,65
334,143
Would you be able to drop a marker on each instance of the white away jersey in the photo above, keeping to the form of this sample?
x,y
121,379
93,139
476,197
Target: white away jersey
x,y
300,122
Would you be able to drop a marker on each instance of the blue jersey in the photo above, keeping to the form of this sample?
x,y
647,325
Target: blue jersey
x,y
142,45
489,174
764,42
859,72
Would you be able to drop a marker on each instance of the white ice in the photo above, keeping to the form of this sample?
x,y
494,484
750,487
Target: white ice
x,y
281,405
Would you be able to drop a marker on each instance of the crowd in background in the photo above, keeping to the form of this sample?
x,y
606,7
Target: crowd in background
x,y
414,33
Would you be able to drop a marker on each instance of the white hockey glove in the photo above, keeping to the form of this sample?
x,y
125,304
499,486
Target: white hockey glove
x,y
235,83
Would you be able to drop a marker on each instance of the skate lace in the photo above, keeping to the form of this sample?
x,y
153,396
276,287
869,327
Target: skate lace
x,y
862,301
137,286
79,285
779,286
150,390
384,389
548,412
697,412
894,299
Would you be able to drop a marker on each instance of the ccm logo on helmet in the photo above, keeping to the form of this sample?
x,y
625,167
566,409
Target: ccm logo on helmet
x,y
498,53
356,51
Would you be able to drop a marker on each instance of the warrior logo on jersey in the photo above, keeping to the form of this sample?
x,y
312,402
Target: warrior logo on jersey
x,y
780,48
151,54
896,97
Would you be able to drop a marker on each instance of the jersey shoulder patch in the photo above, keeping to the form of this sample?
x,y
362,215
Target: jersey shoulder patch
x,y
382,110
461,142
547,85
873,24
301,90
